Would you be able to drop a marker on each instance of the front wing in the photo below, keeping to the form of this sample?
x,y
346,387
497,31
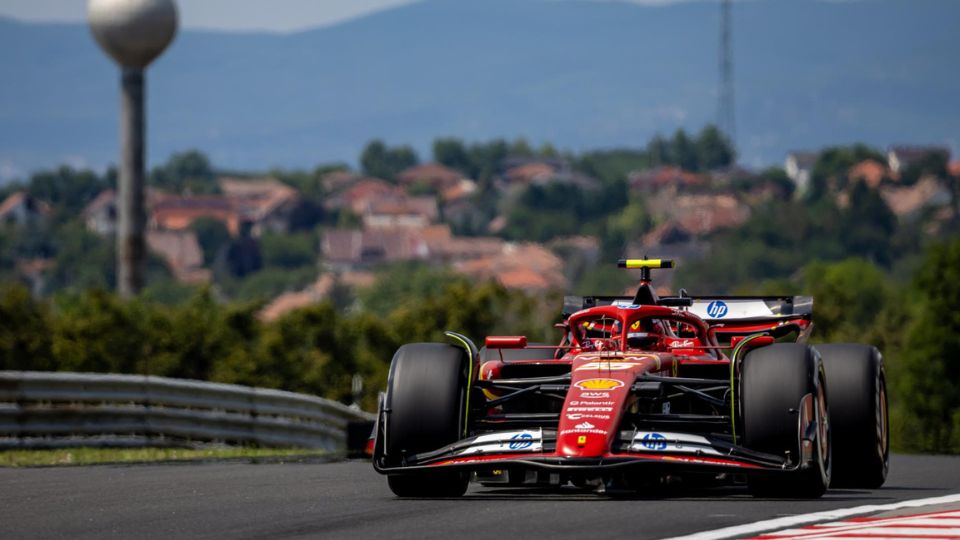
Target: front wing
x,y
536,449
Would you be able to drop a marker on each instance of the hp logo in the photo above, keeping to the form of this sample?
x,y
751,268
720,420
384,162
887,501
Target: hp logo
x,y
654,441
521,441
717,309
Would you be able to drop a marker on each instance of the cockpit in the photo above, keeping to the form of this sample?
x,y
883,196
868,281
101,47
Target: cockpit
x,y
635,330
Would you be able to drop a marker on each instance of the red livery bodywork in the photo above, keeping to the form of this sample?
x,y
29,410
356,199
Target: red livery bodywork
x,y
636,386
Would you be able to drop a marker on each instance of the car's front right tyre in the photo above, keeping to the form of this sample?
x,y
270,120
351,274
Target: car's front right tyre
x,y
425,404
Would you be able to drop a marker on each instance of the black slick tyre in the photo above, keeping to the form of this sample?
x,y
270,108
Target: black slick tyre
x,y
858,411
774,382
426,392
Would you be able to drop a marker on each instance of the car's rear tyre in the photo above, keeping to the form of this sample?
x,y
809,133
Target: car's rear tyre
x,y
426,391
858,411
774,381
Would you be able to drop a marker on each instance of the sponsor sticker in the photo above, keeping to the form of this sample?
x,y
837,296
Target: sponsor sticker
x,y
589,409
647,441
593,431
521,441
583,416
717,309
528,440
584,427
592,403
681,343
594,395
609,366
654,441
598,384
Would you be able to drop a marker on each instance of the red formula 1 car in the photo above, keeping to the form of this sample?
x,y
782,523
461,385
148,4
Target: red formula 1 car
x,y
639,391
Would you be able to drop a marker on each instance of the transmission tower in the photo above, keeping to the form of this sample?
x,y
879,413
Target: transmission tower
x,y
725,111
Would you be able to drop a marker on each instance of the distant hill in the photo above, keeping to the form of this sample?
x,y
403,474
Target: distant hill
x,y
579,74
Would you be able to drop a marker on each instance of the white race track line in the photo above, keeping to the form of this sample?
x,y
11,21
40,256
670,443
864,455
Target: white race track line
x,y
787,522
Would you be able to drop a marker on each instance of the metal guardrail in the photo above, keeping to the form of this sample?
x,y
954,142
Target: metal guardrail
x,y
57,409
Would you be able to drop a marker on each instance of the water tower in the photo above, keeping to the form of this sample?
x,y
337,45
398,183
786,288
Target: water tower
x,y
133,33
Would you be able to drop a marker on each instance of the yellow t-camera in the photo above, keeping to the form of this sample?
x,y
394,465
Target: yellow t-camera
x,y
634,264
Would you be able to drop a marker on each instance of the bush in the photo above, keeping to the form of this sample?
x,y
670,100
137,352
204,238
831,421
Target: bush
x,y
25,342
288,250
930,377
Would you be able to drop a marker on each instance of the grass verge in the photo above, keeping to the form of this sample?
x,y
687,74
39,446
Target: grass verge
x,y
91,456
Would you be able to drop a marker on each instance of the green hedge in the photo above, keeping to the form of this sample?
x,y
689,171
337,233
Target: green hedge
x,y
314,350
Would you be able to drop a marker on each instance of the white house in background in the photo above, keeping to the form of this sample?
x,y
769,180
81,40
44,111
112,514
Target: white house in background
x,y
100,216
21,209
799,167
899,158
401,212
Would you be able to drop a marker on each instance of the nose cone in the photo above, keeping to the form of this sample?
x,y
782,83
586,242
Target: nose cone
x,y
132,32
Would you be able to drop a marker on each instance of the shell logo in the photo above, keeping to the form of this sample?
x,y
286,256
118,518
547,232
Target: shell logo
x,y
599,384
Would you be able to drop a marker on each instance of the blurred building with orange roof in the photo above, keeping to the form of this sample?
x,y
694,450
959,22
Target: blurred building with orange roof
x,y
432,175
528,267
401,211
22,209
357,196
182,253
667,176
869,171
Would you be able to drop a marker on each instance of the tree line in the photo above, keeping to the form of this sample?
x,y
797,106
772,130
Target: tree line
x,y
315,350
913,319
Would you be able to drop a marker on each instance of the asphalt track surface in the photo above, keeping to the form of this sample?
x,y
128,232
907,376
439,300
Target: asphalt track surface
x,y
349,500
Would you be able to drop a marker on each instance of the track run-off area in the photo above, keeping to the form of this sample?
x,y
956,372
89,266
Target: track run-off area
x,y
349,500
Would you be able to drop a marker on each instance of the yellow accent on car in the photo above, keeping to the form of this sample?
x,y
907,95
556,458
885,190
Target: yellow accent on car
x,y
633,264
470,361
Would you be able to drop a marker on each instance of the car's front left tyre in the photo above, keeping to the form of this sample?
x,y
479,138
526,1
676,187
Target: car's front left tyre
x,y
784,388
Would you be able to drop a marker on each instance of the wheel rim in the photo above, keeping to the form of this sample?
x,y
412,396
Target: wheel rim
x,y
823,427
882,420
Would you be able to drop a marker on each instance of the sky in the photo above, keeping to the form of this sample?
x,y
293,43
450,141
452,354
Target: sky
x,y
229,15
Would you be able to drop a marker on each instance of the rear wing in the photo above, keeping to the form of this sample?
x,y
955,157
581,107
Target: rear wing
x,y
728,310
741,309
726,315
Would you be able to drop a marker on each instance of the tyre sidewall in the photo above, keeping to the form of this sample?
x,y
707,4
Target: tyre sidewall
x,y
774,380
859,413
425,398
